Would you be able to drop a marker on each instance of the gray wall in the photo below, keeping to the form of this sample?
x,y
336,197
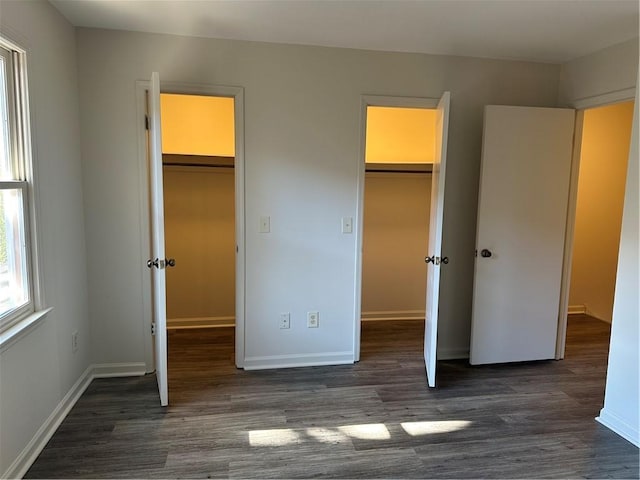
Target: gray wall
x,y
302,134
39,369
609,70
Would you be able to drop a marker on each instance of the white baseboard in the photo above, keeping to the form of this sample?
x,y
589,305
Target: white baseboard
x,y
576,309
200,322
452,353
376,316
29,453
107,370
37,443
292,361
618,425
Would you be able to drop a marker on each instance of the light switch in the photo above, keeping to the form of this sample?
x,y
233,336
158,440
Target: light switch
x,y
347,224
265,224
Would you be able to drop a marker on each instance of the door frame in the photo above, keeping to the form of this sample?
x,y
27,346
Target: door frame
x,y
237,93
372,101
580,105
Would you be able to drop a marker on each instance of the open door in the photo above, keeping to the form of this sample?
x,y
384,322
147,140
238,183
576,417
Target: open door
x,y
158,263
435,260
522,216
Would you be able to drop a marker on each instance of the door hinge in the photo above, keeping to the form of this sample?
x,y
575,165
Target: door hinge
x,y
146,122
153,328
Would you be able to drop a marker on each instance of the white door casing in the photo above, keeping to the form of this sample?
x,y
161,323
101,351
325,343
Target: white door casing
x,y
435,239
522,215
158,272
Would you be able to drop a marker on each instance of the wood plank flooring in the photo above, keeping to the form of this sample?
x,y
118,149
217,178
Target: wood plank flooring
x,y
375,419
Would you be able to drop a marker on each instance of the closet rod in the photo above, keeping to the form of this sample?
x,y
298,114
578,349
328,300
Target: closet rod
x,y
423,172
172,164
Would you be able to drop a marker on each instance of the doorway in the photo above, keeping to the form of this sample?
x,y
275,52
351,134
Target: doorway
x,y
399,150
397,217
603,159
198,159
595,107
152,213
198,156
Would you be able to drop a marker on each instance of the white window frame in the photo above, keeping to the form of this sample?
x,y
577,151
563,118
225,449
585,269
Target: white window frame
x,y
18,319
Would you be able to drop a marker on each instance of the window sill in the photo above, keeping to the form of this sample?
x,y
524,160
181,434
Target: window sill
x,y
20,329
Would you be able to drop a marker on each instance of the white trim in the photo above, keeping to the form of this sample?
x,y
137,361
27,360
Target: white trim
x,y
142,86
618,425
27,151
22,328
108,370
301,360
239,168
377,316
567,254
452,353
28,455
616,96
373,101
200,322
30,452
576,309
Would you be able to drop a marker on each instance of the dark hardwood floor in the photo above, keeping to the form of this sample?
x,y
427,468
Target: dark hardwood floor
x,y
375,419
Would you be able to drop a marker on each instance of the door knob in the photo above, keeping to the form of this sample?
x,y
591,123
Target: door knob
x,y
152,263
485,253
431,259
170,262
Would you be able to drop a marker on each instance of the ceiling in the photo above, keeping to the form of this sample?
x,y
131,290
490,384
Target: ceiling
x,y
553,31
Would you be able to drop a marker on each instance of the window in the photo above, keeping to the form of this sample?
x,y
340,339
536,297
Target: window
x,y
16,252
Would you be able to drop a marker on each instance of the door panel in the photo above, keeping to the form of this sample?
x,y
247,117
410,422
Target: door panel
x,y
435,239
522,215
157,239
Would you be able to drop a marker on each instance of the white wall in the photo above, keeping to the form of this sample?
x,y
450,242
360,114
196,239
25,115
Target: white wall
x,y
614,69
200,235
39,369
302,134
396,236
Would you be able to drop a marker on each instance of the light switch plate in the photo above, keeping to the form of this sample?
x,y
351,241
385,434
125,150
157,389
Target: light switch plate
x,y
265,224
347,224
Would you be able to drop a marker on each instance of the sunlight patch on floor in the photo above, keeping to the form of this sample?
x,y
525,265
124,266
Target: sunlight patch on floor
x,y
327,435
367,431
279,437
416,429
276,437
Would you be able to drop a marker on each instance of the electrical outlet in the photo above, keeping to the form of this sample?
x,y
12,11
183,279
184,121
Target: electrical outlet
x,y
74,341
285,320
313,319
